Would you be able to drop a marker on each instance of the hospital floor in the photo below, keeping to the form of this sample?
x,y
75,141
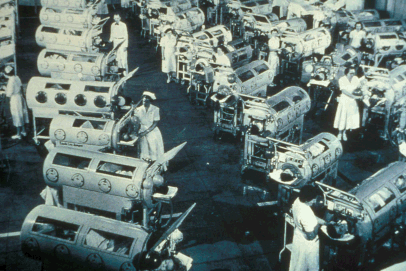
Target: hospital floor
x,y
227,231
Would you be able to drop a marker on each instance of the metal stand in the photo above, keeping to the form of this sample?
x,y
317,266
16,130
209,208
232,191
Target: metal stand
x,y
286,246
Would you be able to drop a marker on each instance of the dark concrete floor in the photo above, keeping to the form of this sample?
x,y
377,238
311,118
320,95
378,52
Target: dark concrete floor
x,y
226,230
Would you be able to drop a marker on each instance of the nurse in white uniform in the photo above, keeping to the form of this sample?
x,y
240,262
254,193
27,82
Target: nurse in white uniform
x,y
150,138
168,43
357,35
305,245
347,115
18,106
221,58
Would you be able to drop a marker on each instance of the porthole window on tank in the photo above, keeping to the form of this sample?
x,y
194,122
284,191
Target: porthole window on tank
x,y
60,98
80,100
100,101
41,97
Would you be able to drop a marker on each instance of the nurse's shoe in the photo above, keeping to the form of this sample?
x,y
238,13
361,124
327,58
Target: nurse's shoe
x,y
24,133
16,137
340,137
345,137
168,81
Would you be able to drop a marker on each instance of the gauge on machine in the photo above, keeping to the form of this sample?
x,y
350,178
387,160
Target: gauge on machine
x,y
60,134
327,159
105,185
104,139
82,137
78,180
131,191
52,175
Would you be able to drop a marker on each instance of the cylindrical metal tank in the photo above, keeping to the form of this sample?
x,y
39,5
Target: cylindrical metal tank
x,y
68,38
65,128
296,25
250,79
67,236
73,65
73,17
251,6
388,25
306,43
189,20
349,18
7,51
44,93
111,174
280,117
307,161
8,21
101,132
239,52
64,3
277,112
212,36
373,211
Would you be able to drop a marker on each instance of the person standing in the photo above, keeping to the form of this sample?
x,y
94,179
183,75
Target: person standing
x,y
347,115
18,106
221,58
357,36
168,43
150,142
125,3
305,246
274,45
119,34
102,8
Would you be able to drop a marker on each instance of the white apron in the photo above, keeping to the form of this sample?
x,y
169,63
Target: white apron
x,y
18,107
151,145
347,115
169,58
305,253
357,37
223,60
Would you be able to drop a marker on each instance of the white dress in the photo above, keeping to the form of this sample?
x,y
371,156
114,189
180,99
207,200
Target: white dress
x,y
18,107
305,253
118,34
151,145
357,37
222,60
347,115
169,59
273,58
